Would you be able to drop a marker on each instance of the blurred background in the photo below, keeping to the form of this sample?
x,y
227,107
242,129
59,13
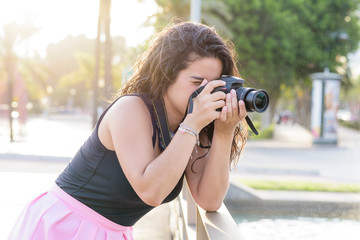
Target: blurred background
x,y
63,56
61,61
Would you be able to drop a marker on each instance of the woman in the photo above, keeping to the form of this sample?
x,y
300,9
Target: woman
x,y
122,171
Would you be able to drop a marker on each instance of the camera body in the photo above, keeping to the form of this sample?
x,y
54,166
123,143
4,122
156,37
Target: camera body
x,y
255,100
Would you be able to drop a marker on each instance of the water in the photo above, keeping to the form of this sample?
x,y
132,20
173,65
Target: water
x,y
298,228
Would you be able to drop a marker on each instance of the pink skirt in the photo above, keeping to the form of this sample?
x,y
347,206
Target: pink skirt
x,y
57,215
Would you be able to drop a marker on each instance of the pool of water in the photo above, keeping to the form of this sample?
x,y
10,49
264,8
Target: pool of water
x,y
298,228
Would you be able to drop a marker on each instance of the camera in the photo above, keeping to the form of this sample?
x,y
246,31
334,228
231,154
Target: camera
x,y
255,100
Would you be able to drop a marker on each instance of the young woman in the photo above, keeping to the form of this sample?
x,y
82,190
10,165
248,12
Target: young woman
x,y
123,171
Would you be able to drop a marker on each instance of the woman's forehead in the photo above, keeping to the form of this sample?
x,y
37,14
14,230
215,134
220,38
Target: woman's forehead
x,y
206,67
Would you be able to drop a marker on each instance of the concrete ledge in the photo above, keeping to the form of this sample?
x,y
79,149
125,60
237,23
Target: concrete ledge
x,y
240,192
242,200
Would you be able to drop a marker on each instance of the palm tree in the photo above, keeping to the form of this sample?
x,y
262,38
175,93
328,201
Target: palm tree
x,y
103,27
13,34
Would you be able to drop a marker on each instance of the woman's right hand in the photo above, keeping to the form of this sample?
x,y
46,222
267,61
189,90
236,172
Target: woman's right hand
x,y
206,105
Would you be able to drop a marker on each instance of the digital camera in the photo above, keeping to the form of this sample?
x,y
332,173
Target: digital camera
x,y
255,100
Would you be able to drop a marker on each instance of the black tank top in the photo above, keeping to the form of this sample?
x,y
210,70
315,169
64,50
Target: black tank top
x,y
95,178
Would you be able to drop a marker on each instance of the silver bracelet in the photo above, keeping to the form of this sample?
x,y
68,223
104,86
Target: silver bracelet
x,y
185,129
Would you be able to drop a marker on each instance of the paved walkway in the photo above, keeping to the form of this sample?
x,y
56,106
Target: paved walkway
x,y
291,155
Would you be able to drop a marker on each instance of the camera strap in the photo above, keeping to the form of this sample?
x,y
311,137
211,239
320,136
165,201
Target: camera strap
x,y
162,121
190,106
251,125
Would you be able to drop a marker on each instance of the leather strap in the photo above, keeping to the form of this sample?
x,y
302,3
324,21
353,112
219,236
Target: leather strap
x,y
161,118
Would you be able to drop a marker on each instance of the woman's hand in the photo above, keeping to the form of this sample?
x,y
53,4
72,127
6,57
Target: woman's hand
x,y
206,105
232,113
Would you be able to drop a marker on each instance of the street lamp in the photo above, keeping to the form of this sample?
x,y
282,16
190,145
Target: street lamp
x,y
195,11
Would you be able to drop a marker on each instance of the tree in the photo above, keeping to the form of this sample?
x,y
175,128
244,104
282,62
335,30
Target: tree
x,y
72,55
283,41
73,71
13,35
36,76
214,13
60,57
75,85
103,27
279,42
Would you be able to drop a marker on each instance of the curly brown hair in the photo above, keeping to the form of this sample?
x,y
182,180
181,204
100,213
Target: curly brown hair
x,y
171,51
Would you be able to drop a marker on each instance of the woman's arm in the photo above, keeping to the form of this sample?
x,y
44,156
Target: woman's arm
x,y
208,177
127,129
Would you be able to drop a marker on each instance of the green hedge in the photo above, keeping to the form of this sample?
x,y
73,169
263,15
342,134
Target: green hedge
x,y
266,133
300,186
348,124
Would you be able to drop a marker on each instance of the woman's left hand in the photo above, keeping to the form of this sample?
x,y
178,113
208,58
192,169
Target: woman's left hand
x,y
232,113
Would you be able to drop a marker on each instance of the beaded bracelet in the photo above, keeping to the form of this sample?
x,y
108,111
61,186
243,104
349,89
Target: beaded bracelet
x,y
185,129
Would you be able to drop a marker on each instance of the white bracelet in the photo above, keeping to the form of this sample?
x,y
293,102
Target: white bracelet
x,y
185,129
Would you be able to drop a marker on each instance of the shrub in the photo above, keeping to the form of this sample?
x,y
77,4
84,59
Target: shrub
x,y
266,133
353,125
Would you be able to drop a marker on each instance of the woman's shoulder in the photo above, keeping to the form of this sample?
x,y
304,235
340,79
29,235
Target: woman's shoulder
x,y
129,105
127,115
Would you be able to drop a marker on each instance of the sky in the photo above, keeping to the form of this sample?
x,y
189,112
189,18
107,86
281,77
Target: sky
x,y
60,18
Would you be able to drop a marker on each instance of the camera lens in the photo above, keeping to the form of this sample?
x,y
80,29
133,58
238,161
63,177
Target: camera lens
x,y
260,100
256,100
